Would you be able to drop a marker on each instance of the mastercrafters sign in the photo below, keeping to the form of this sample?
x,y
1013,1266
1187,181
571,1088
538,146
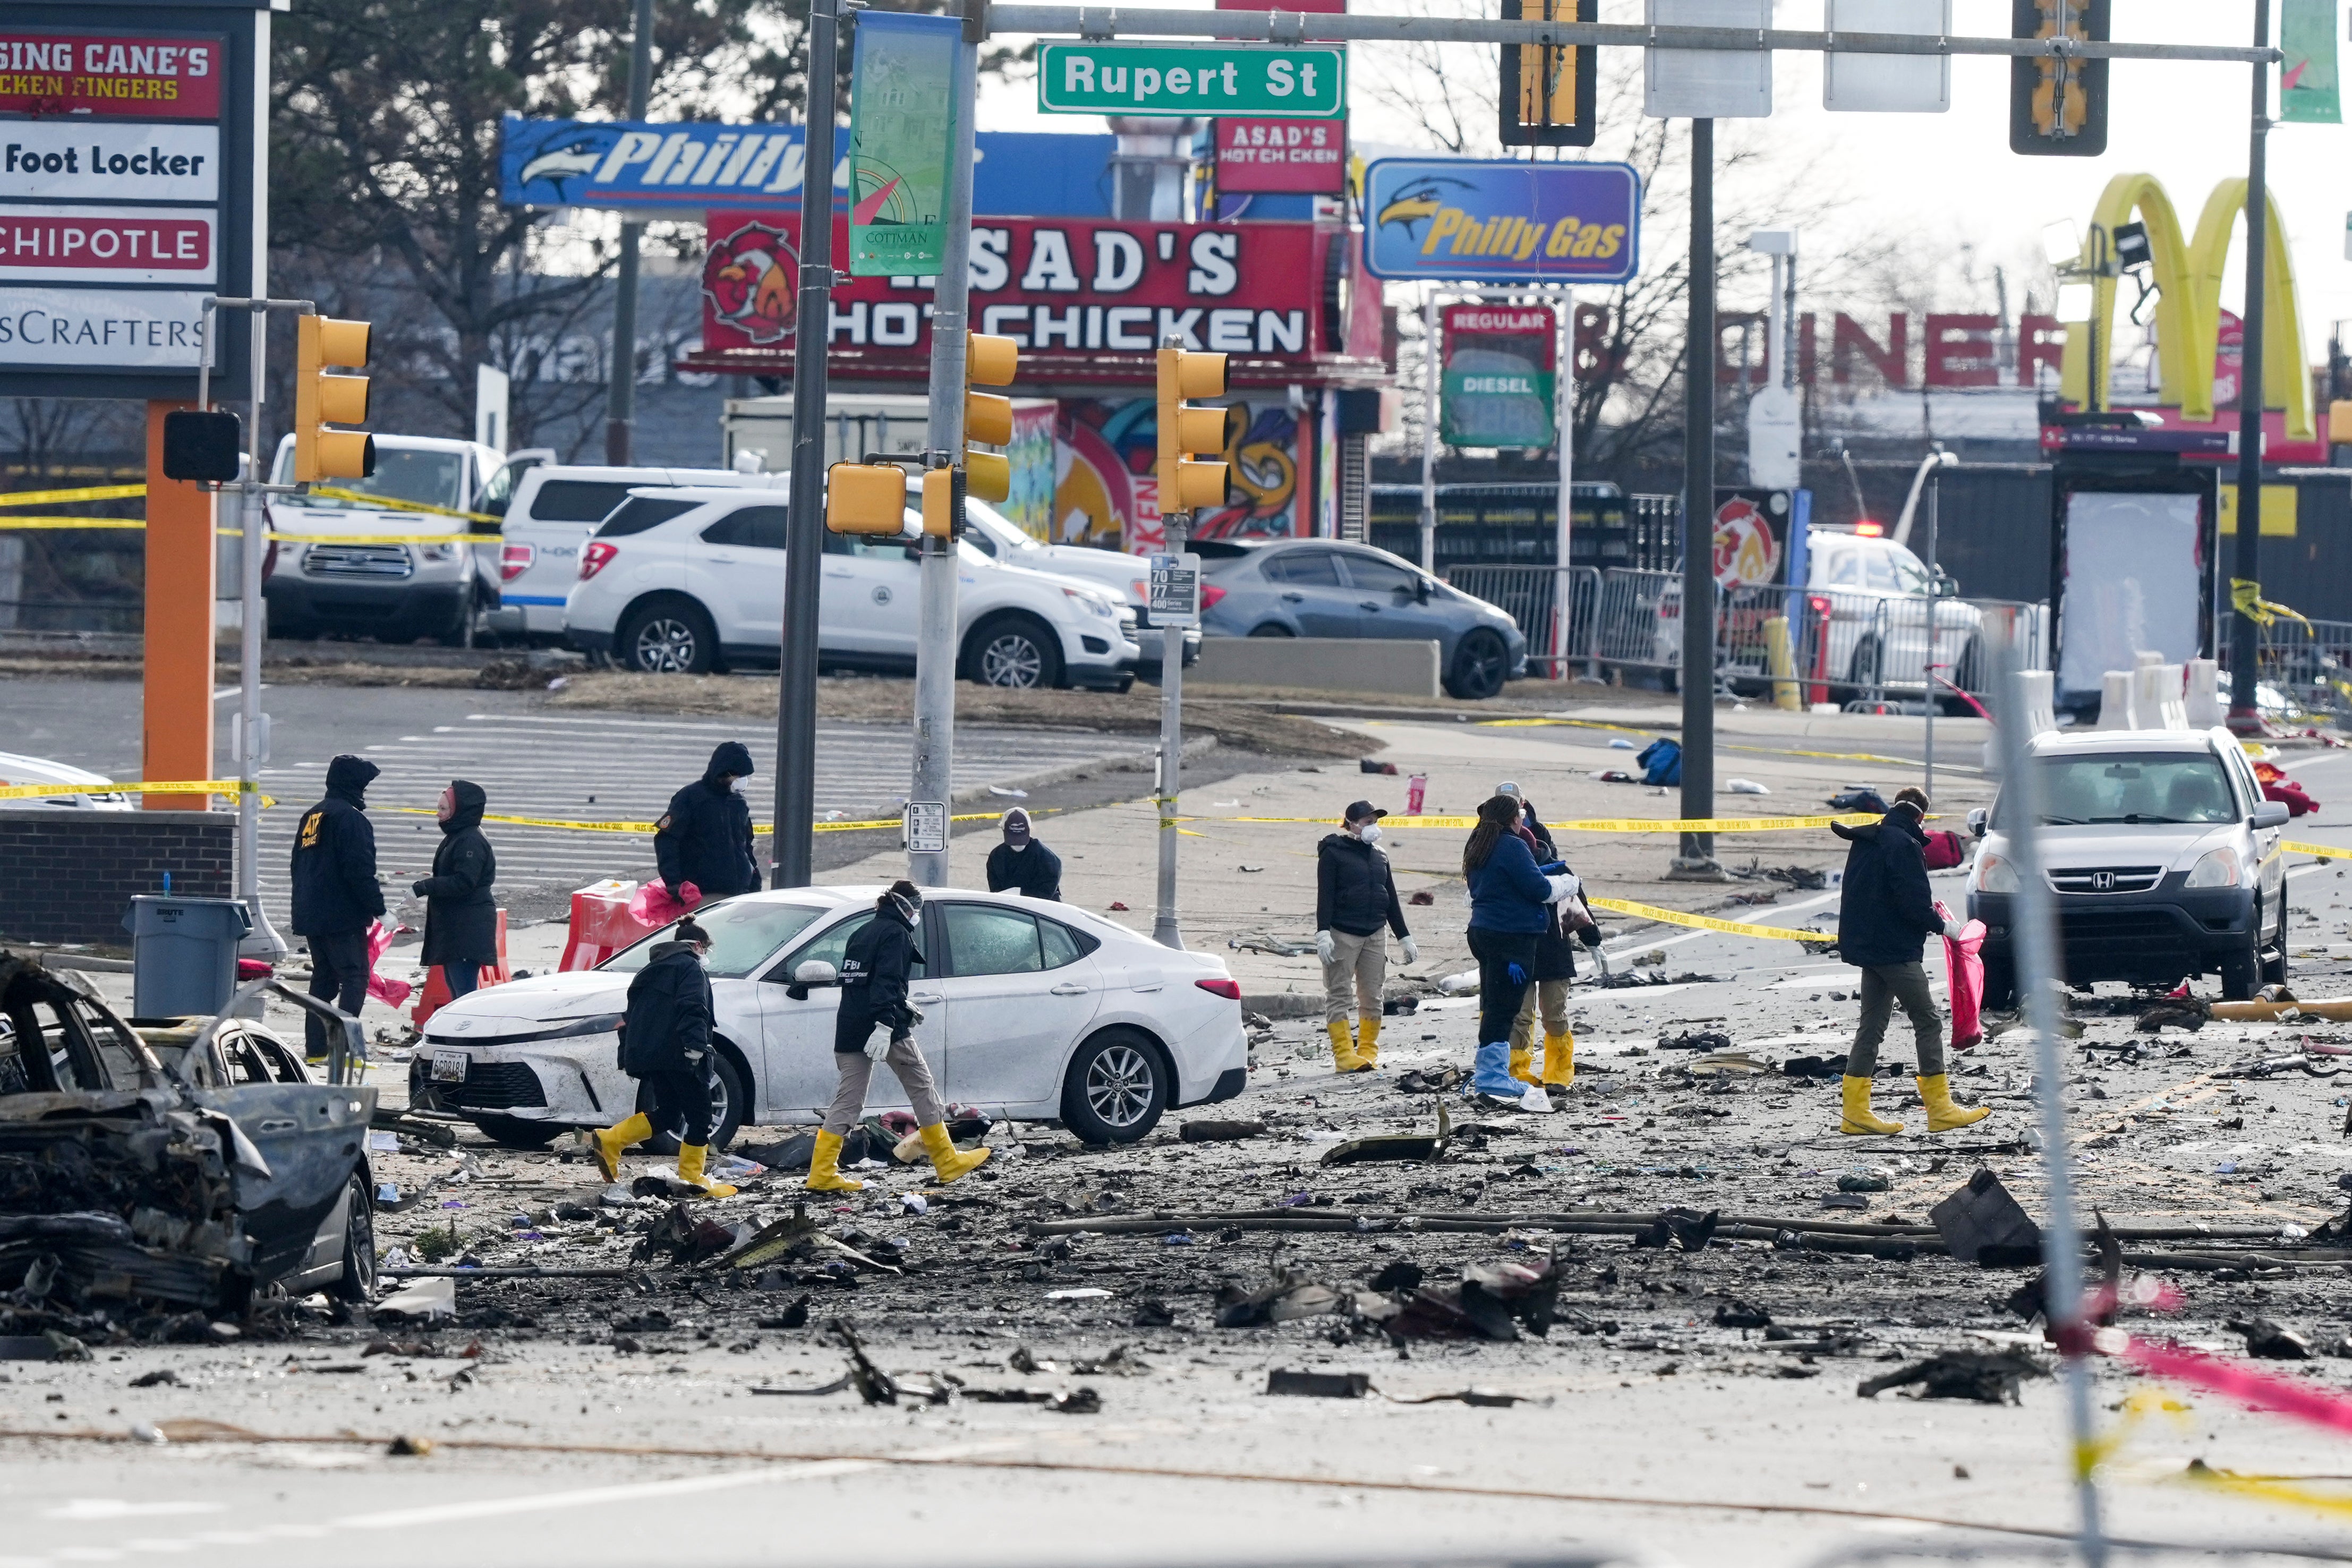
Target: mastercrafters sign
x,y
1081,288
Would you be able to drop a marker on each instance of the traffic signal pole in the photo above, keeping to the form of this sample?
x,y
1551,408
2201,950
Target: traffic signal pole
x,y
935,654
793,858
621,373
2245,559
1697,863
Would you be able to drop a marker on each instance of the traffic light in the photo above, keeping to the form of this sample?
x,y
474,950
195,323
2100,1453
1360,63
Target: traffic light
x,y
987,419
1185,484
1548,93
865,498
2058,107
321,399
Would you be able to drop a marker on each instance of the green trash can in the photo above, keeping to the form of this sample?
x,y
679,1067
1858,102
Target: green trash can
x,y
183,953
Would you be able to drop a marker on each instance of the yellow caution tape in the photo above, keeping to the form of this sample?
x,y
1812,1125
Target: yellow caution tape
x,y
88,492
762,829
2267,1491
12,524
2324,851
2246,598
394,503
1708,923
372,538
1616,824
197,786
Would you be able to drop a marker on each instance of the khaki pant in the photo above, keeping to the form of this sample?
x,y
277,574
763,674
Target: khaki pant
x,y
1366,960
1883,986
1551,997
856,1069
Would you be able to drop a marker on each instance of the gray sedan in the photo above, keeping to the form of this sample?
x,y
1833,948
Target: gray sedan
x,y
1326,588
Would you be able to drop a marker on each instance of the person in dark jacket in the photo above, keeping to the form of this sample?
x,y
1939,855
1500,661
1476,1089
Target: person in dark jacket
x,y
1510,906
666,1045
1885,914
461,918
336,895
1571,922
1355,896
1021,864
876,968
705,836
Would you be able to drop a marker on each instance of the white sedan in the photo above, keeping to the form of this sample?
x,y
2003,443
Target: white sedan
x,y
1032,1010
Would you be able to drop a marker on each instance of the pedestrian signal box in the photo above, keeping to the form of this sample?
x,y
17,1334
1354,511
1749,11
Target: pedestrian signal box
x,y
865,498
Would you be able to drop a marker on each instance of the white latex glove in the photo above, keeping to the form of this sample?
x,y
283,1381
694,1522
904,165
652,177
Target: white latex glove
x,y
878,1049
1323,947
1952,929
1412,950
1564,887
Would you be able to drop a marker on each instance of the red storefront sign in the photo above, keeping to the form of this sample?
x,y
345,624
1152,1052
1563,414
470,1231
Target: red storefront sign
x,y
1278,156
1089,298
133,78
84,244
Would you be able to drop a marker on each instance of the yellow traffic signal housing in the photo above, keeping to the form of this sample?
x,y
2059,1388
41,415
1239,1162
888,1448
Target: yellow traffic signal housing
x,y
867,498
1549,92
987,419
2058,105
321,399
1186,485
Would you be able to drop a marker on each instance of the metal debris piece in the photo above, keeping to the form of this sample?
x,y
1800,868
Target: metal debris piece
x,y
1987,1377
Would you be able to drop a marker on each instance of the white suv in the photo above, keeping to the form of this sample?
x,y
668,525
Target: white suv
x,y
554,510
1128,577
693,580
2163,857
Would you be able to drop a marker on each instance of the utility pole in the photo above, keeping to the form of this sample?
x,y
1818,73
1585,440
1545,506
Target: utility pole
x,y
621,377
1942,460
1165,931
1563,593
2245,561
1429,428
1697,862
935,650
791,860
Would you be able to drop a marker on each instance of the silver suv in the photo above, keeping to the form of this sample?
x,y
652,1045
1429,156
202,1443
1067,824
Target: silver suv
x,y
2163,854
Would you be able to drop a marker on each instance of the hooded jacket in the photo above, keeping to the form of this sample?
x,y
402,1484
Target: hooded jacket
x,y
705,836
461,916
875,968
335,889
1887,910
1355,891
1032,871
668,1026
1555,948
1507,893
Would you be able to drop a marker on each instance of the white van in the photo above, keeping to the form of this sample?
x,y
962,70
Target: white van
x,y
554,510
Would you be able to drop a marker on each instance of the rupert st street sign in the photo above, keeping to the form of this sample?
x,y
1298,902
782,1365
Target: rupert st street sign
x,y
1309,82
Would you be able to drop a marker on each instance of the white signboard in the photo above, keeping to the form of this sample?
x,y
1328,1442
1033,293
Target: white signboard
x,y
927,828
1775,439
68,160
1175,590
2131,581
107,244
144,329
1707,84
1889,84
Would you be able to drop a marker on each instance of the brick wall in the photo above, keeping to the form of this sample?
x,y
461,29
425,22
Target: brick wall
x,y
68,876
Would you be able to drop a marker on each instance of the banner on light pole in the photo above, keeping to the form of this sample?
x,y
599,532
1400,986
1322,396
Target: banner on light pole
x,y
2309,92
902,97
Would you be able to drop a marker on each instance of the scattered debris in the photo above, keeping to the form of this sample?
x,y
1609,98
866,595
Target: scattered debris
x,y
1987,1377
1982,1214
1211,1131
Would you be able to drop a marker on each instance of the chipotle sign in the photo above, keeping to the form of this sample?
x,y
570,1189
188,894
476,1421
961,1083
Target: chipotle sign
x,y
1079,287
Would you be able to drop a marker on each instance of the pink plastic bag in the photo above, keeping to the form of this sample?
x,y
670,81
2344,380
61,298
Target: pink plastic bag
x,y
1965,971
391,993
653,907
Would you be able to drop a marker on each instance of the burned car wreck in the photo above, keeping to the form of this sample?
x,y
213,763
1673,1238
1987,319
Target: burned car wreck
x,y
146,1185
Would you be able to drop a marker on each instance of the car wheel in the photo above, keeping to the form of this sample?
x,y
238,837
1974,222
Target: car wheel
x,y
1480,665
2275,965
1864,671
1013,651
514,1132
2241,971
670,635
2000,986
1116,1088
460,627
730,1103
1272,629
358,1282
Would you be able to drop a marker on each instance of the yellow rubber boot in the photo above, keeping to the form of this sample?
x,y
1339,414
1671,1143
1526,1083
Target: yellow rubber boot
x,y
1560,1059
1523,1063
948,1160
690,1157
825,1167
1858,1118
1935,1093
1343,1047
1368,1043
608,1143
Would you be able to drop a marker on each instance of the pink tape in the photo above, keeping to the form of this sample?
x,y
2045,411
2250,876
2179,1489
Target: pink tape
x,y
2256,1390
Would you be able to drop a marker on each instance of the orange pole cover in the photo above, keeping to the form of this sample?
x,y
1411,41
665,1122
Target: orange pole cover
x,y
176,734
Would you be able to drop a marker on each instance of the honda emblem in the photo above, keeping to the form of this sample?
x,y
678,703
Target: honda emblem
x,y
2103,881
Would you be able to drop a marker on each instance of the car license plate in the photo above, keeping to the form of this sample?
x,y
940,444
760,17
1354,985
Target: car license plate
x,y
450,1067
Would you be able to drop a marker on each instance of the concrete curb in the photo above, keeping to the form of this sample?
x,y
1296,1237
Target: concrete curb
x,y
1144,763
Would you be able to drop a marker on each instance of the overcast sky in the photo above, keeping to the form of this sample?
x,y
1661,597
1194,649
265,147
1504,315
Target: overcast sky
x,y
1953,174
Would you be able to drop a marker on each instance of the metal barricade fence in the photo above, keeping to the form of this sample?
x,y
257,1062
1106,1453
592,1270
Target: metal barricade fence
x,y
2310,663
1638,622
1530,595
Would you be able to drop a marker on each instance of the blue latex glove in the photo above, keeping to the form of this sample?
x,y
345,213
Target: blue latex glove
x,y
1519,976
1553,867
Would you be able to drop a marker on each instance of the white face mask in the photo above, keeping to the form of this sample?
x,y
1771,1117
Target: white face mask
x,y
1370,833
